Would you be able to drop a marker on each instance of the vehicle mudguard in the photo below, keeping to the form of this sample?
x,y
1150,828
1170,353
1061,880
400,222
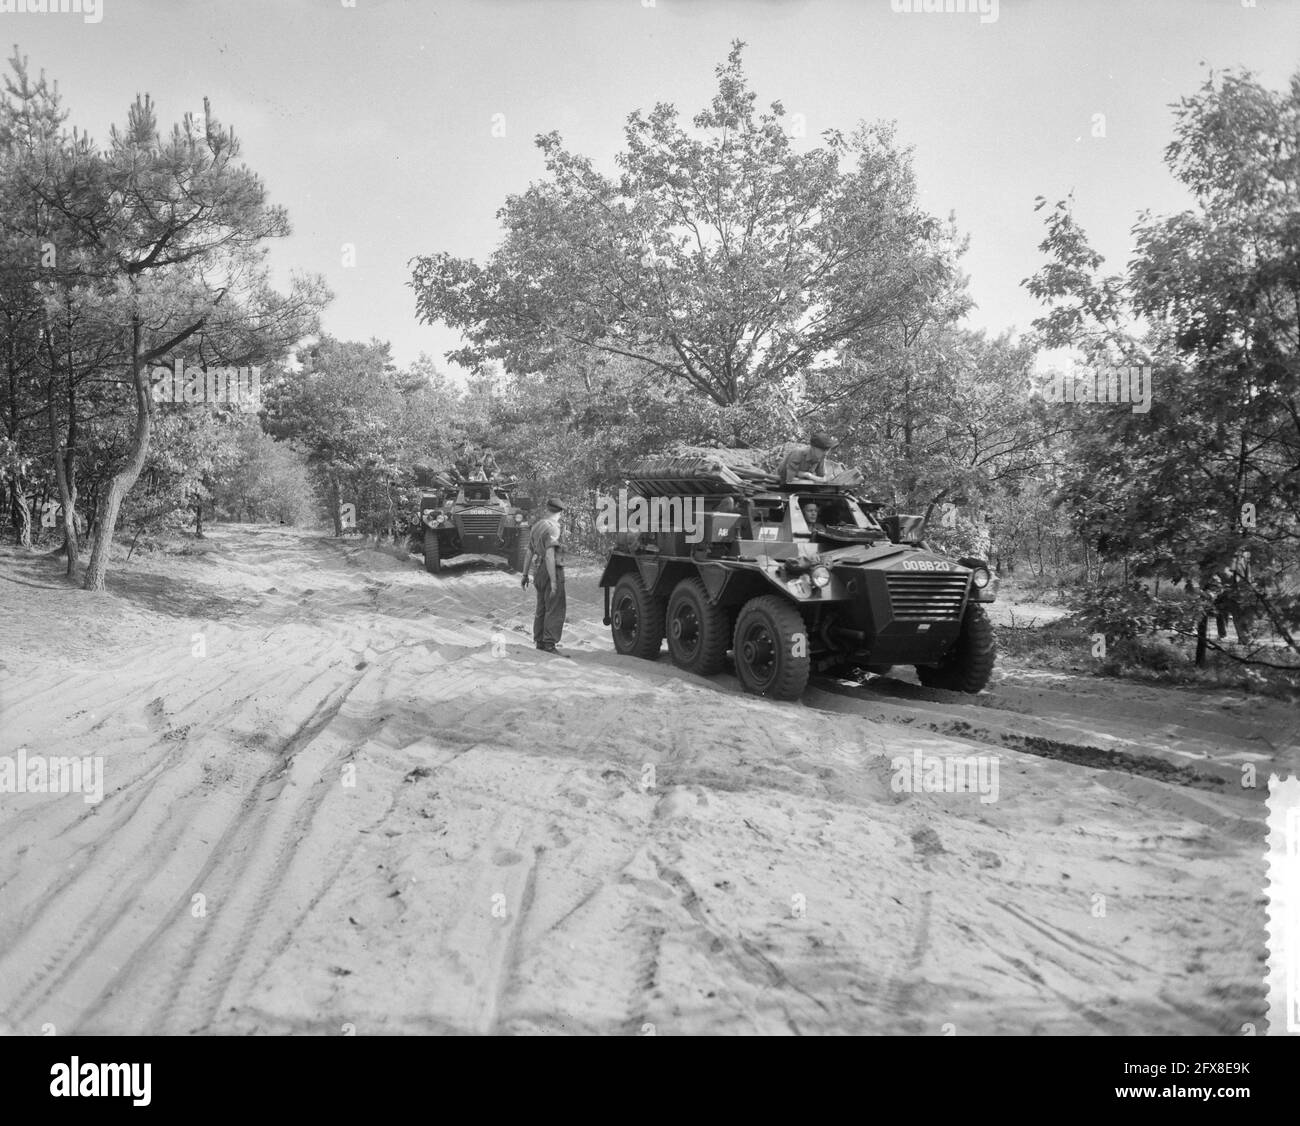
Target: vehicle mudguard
x,y
714,576
726,583
615,568
649,566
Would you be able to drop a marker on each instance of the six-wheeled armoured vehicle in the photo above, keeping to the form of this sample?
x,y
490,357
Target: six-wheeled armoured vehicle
x,y
790,579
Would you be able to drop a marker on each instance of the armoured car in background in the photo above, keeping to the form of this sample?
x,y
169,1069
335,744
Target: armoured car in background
x,y
472,517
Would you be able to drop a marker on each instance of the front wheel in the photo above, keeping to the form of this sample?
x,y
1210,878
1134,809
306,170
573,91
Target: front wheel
x,y
970,664
432,554
636,619
771,643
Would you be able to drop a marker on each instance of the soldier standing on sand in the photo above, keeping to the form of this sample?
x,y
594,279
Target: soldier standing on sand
x,y
544,543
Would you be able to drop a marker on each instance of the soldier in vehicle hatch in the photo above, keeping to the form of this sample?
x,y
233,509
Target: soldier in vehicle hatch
x,y
462,466
806,463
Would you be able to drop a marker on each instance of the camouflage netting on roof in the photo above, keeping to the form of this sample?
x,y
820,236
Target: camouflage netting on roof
x,y
743,462
704,474
695,469
732,465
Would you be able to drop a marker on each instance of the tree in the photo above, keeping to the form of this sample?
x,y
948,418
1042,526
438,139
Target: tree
x,y
362,423
1209,302
267,480
724,261
946,420
164,241
31,122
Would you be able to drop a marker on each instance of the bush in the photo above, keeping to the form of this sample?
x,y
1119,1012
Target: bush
x,y
1155,653
1125,613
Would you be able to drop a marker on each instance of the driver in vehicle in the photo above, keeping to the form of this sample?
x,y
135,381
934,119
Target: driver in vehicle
x,y
831,518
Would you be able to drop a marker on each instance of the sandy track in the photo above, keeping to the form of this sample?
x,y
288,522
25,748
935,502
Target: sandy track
x,y
402,818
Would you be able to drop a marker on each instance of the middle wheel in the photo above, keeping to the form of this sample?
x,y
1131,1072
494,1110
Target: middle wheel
x,y
698,631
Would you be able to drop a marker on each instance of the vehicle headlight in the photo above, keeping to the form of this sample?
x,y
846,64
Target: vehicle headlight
x,y
519,517
821,576
980,577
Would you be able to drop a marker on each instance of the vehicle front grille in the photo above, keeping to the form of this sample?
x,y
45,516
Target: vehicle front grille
x,y
480,525
928,597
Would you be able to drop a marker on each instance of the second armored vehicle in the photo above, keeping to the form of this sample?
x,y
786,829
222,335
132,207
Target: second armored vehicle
x,y
473,517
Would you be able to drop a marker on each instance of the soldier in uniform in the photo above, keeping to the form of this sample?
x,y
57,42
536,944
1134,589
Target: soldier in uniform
x,y
463,465
491,471
806,463
544,545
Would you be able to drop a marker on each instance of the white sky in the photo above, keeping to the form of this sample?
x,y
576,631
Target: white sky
x,y
373,124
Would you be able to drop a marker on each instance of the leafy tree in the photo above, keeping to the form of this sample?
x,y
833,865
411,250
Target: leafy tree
x,y
363,425
267,480
161,248
945,421
721,260
31,122
1209,301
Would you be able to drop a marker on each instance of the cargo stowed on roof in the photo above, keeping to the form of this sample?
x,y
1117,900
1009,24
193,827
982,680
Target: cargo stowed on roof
x,y
700,471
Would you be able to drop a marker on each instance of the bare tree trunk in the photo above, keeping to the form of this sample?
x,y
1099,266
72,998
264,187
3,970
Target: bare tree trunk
x,y
334,504
110,506
71,546
110,503
64,467
1202,641
22,515
70,476
38,529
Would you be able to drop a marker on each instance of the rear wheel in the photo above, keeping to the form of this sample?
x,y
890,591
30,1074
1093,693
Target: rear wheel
x,y
697,629
970,664
432,554
636,618
771,644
